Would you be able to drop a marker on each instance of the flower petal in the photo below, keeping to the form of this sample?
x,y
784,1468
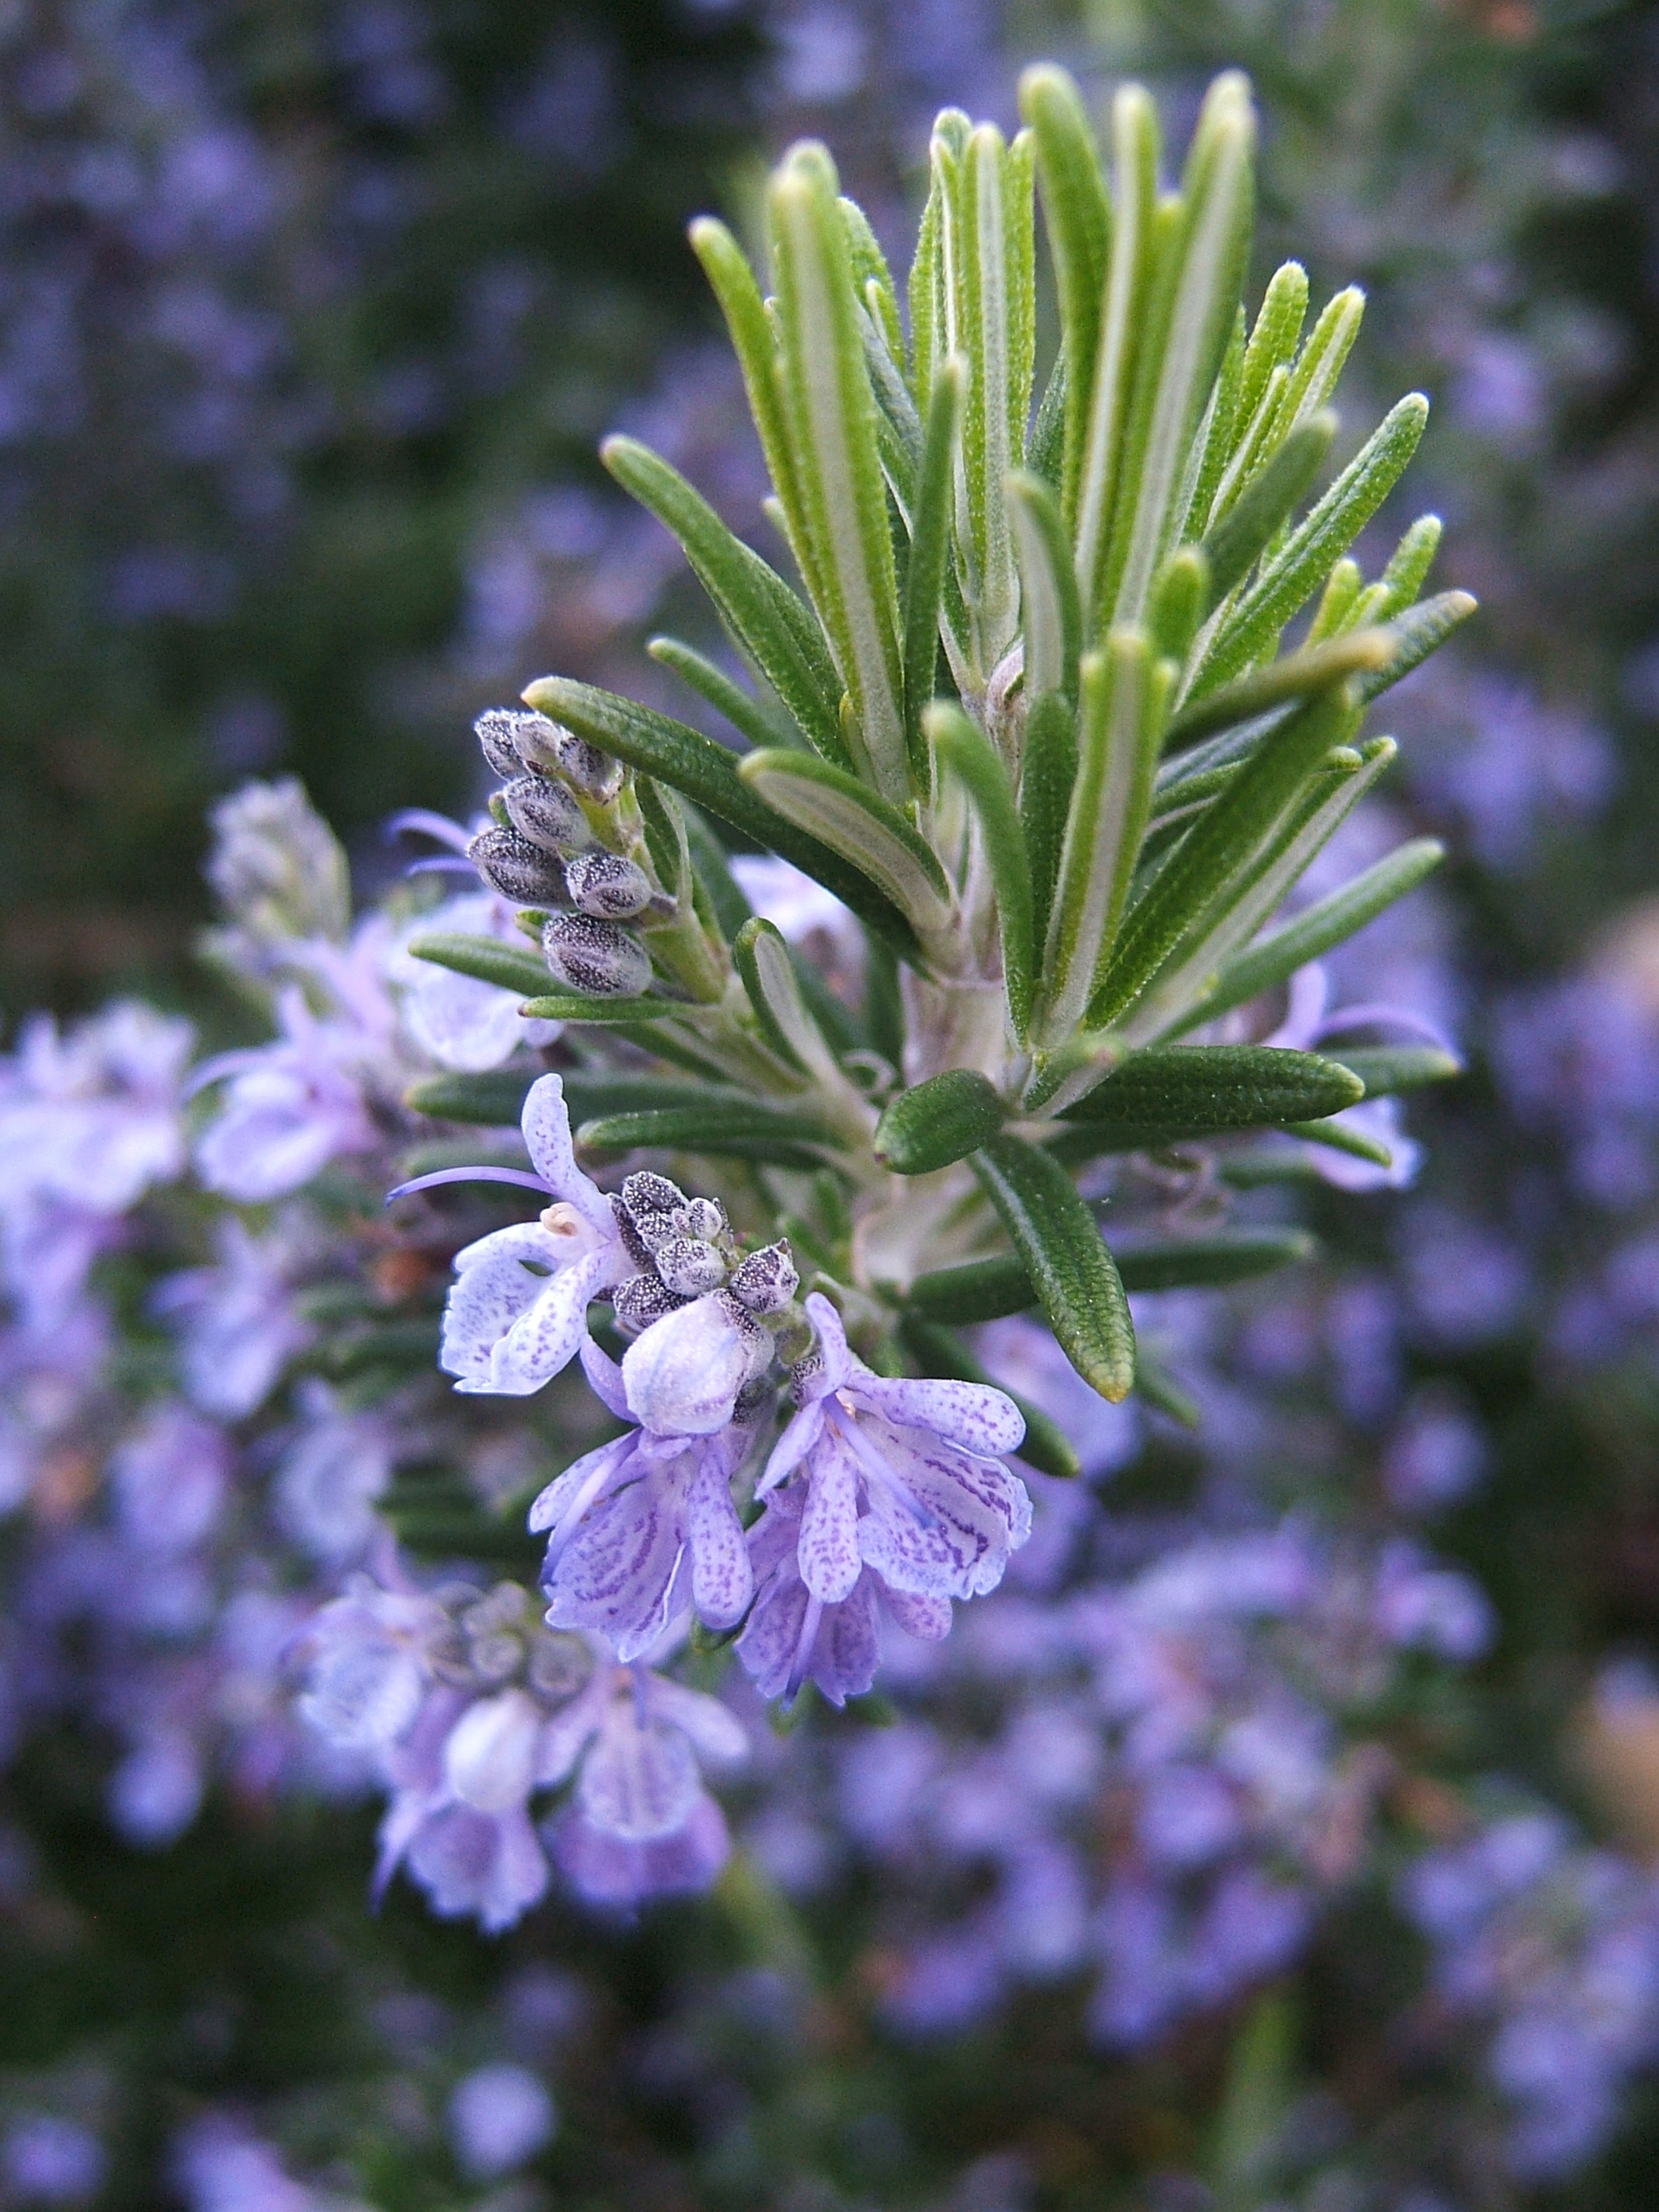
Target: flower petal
x,y
828,1548
972,1415
605,1380
683,1373
485,1301
639,1781
722,1578
714,1730
927,1618
976,1513
847,1648
543,1342
832,1343
546,1126
792,1448
617,1573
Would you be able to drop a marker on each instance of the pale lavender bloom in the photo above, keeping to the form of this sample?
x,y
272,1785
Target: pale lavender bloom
x,y
899,1476
88,1121
46,2159
683,1374
235,1321
47,1375
463,1778
337,1464
644,1527
276,866
499,2116
456,1020
169,1479
640,1823
517,1310
222,2167
366,1664
792,1637
292,1106
1552,1949
1309,1027
155,1792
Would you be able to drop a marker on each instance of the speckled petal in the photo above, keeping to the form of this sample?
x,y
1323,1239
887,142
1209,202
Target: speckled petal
x,y
616,1574
972,1415
829,1547
486,1300
546,1125
722,1579
544,1341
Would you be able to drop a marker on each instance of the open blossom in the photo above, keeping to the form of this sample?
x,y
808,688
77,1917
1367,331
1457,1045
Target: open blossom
x,y
1309,1027
291,1106
640,1823
644,1527
236,1321
453,1020
899,1476
517,1310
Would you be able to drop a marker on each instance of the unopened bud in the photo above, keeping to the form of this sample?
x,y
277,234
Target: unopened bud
x,y
804,1373
653,1204
704,1218
767,1280
690,1267
546,813
605,885
683,1374
517,869
640,1301
549,744
595,958
633,1244
505,735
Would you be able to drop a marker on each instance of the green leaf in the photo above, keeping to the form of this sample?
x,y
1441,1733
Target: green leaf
x,y
987,1290
1111,798
1362,653
1313,378
759,608
1309,553
967,752
747,714
929,546
1387,1069
1189,316
1046,776
1177,907
868,833
1051,614
1045,1444
940,1120
832,415
727,903
1078,220
764,962
708,775
1169,1093
776,1135
493,1098
1155,1383
1043,455
487,959
1417,633
1179,598
1053,1233
1274,336
754,340
1328,921
567,1007
1337,1137
1134,197
1233,546
1408,569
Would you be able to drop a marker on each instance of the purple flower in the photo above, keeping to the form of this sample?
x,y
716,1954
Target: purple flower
x,y
236,1322
1308,1027
641,1823
683,1374
517,1310
901,1476
456,1020
292,1106
644,1527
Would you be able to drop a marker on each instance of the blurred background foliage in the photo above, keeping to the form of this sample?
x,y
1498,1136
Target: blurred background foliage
x,y
311,314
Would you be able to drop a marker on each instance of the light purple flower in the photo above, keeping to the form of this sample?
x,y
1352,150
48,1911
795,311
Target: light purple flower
x,y
169,1479
337,1464
683,1374
1308,1027
643,1528
640,1824
236,1322
900,1476
292,1106
456,1020
517,1310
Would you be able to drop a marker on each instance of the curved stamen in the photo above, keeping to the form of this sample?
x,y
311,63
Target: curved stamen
x,y
1385,1018
521,1176
441,864
421,822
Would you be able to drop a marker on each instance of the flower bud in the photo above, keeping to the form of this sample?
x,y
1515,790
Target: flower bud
x,y
767,1280
682,1376
703,1218
517,869
596,776
595,957
546,813
690,1267
605,885
655,1206
503,734
489,1757
641,1300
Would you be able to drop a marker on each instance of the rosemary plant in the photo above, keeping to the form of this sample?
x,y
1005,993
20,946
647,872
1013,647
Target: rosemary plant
x,y
1023,700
